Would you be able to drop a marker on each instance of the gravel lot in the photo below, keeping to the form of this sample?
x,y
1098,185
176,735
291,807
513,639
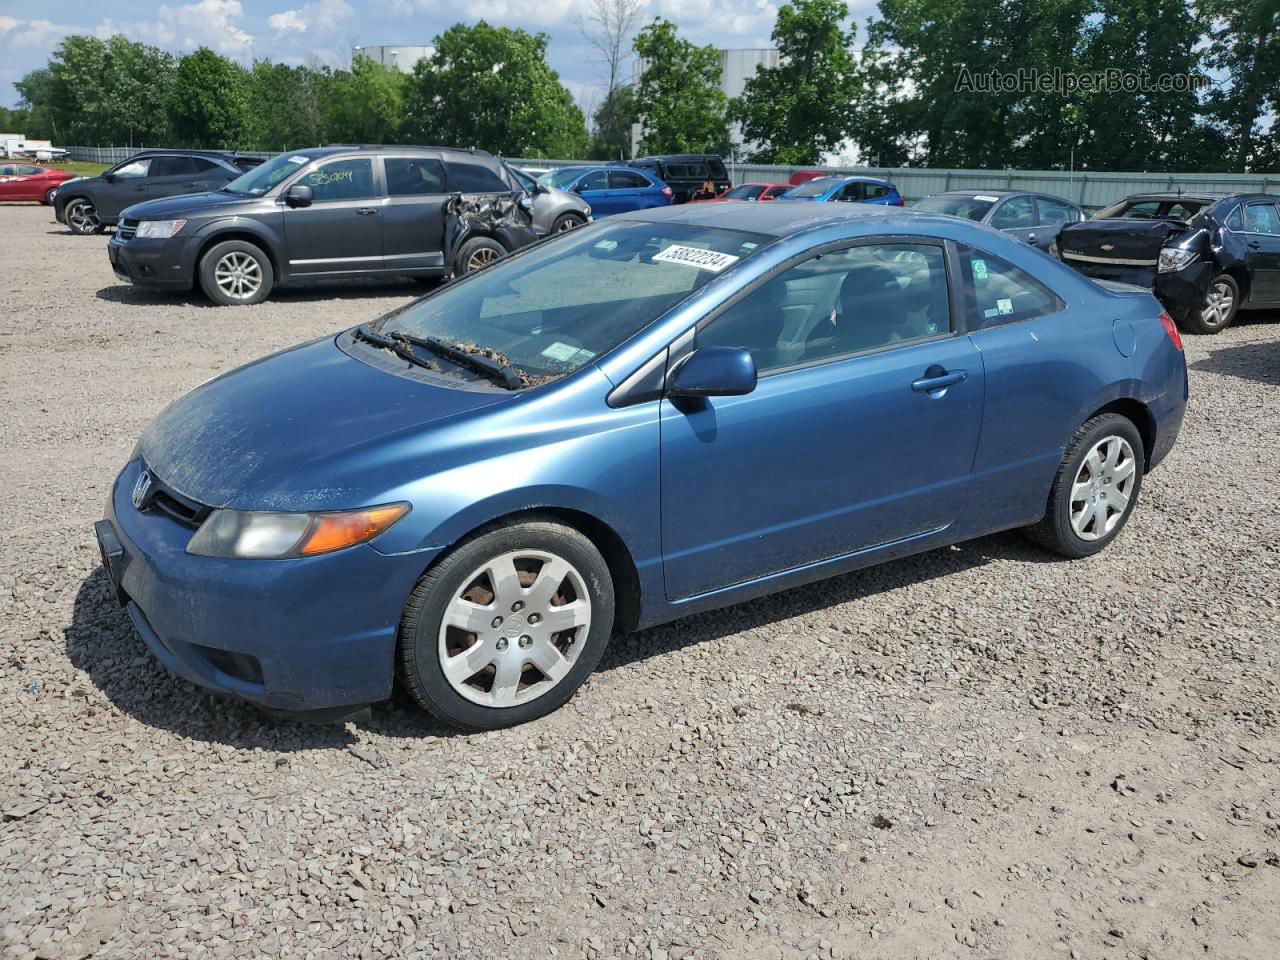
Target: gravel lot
x,y
980,752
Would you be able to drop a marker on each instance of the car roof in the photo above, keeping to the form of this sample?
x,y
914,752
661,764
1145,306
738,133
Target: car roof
x,y
679,156
979,192
786,219
846,178
1205,197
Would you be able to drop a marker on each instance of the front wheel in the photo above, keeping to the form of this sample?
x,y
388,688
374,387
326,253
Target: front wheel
x,y
236,272
82,218
507,626
1218,309
566,222
1095,490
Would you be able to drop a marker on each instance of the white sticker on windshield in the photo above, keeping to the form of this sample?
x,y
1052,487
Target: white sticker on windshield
x,y
299,159
711,260
1004,306
560,351
988,199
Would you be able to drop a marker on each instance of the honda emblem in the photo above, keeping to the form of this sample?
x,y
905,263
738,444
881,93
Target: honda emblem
x,y
141,487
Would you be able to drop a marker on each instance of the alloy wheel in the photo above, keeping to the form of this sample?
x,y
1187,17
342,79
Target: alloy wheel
x,y
481,258
565,225
1218,304
238,275
1102,488
515,628
84,217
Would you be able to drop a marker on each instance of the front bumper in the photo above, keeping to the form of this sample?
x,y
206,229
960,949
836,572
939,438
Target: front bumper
x,y
150,262
301,635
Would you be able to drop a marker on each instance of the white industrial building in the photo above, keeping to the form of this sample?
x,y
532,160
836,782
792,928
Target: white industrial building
x,y
401,57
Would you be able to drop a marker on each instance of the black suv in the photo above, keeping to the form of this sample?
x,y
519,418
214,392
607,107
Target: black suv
x,y
1204,255
337,211
685,173
89,204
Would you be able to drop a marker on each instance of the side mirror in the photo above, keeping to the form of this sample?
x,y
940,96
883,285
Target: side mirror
x,y
540,187
299,195
714,372
110,177
578,188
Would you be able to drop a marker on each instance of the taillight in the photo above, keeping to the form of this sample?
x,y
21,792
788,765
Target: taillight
x,y
899,202
1171,329
665,191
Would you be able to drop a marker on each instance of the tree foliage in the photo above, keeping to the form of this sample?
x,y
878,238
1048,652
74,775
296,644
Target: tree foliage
x,y
209,105
611,125
1244,44
678,97
491,87
797,111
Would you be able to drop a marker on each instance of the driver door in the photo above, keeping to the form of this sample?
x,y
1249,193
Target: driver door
x,y
127,185
594,188
341,231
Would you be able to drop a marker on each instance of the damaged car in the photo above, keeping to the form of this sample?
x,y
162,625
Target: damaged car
x,y
338,212
474,492
1205,256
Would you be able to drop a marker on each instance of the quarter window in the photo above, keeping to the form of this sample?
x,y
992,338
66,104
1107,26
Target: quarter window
x,y
341,180
862,298
414,176
996,292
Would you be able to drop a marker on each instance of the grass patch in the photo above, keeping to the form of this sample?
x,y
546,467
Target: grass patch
x,y
78,167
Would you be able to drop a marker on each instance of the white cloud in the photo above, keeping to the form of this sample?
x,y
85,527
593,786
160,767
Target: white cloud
x,y
213,23
319,17
287,20
36,33
7,24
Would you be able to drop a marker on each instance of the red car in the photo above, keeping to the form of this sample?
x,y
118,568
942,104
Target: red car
x,y
751,191
25,181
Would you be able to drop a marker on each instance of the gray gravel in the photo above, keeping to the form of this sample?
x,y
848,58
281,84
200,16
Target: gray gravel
x,y
980,752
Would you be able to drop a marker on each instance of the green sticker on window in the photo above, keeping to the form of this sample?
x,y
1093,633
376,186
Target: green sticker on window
x,y
979,269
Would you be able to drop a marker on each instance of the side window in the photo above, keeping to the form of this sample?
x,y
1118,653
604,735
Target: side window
x,y
623,180
172,167
876,190
133,169
852,192
1261,218
1014,213
471,177
595,180
8,171
1055,211
862,298
996,292
414,176
29,171
341,180
204,166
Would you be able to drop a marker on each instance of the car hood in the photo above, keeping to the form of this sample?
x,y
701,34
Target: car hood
x,y
191,204
310,428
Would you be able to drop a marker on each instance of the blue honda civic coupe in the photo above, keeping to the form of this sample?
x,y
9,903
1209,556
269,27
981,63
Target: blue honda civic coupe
x,y
655,414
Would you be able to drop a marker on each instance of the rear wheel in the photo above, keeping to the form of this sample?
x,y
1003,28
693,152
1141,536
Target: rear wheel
x,y
236,272
82,218
47,200
476,254
1095,490
507,626
1219,307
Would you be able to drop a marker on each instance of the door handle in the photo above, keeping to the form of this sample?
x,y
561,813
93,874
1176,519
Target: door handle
x,y
366,211
1031,238
936,378
1254,245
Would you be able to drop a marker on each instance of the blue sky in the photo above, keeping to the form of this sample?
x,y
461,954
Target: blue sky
x,y
299,30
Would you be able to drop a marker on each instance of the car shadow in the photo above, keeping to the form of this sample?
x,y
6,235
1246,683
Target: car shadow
x,y
323,290
101,642
1256,360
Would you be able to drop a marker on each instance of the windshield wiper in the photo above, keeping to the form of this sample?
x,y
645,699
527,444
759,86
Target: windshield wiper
x,y
493,369
395,346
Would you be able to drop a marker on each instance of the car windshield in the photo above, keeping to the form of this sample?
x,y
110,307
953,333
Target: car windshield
x,y
969,208
814,188
559,306
748,191
262,178
562,178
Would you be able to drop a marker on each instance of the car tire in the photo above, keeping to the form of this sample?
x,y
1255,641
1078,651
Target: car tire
x,y
236,273
566,222
1095,489
82,218
476,254
1215,314
47,199
474,640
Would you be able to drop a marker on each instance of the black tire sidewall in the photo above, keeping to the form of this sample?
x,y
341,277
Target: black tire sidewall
x,y
470,247
215,253
1067,541
420,667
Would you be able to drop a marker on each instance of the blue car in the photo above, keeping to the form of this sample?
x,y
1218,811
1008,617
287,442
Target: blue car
x,y
847,190
611,190
651,415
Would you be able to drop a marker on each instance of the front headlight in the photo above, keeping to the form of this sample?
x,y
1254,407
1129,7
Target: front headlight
x,y
159,229
276,536
1173,259
1053,247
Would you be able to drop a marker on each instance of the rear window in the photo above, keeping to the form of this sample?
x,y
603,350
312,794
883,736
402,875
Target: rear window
x,y
966,207
716,168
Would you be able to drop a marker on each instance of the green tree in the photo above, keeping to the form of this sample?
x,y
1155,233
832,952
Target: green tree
x,y
35,98
678,95
611,133
1244,44
366,103
491,87
279,118
210,102
799,110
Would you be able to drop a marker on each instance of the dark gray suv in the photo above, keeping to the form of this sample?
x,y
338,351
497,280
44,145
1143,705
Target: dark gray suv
x,y
327,212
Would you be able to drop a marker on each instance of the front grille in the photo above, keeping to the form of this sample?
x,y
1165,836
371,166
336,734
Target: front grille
x,y
163,498
126,229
